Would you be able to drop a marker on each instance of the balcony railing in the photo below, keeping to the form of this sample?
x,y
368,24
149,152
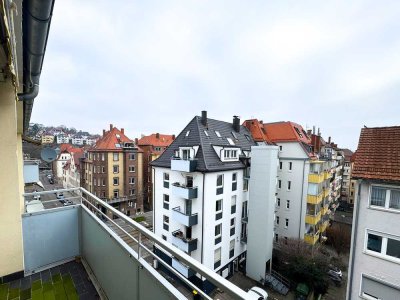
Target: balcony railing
x,y
185,244
182,268
313,219
312,199
183,191
116,251
316,178
185,219
183,165
311,238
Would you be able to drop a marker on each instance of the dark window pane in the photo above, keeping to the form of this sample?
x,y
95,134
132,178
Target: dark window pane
x,y
393,248
394,199
374,243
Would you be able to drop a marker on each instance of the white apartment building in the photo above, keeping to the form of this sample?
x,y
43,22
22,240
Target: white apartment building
x,y
374,269
71,171
60,162
202,203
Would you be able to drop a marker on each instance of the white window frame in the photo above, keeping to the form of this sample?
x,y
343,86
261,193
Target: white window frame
x,y
115,184
388,189
217,235
131,180
382,254
218,211
116,156
115,169
131,156
131,168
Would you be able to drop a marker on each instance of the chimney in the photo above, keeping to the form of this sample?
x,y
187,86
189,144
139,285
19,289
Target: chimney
x,y
157,135
136,141
236,123
204,117
261,122
309,132
122,131
319,132
173,137
329,140
313,130
111,127
104,132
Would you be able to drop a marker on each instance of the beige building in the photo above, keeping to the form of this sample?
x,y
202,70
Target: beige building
x,y
47,139
19,85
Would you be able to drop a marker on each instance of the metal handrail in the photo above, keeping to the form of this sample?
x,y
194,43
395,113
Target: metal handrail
x,y
178,209
231,289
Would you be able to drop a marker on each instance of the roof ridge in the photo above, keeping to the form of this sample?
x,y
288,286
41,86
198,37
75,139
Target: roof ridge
x,y
201,140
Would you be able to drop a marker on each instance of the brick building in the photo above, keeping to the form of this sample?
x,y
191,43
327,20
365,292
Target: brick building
x,y
113,171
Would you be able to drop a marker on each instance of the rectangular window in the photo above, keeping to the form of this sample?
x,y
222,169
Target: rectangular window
x,y
287,204
218,233
231,248
131,169
233,223
103,182
393,248
131,156
244,210
276,237
280,148
278,202
131,180
378,196
166,180
289,185
220,184
279,184
132,192
280,165
116,193
218,209
94,181
164,237
166,222
394,199
115,156
217,258
102,156
116,180
98,169
233,204
374,289
286,223
290,166
166,201
234,181
384,245
115,169
103,169
374,243
277,220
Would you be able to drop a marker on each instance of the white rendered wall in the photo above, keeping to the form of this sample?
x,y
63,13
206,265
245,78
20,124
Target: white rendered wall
x,y
261,210
381,222
297,195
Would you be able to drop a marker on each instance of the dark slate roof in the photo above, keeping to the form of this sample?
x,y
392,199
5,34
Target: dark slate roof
x,y
207,159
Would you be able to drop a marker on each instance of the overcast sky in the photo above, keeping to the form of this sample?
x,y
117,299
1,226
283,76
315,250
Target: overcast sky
x,y
150,66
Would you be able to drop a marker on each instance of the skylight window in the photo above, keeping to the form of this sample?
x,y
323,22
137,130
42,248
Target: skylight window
x,y
206,133
247,137
187,133
117,145
234,135
118,136
230,141
298,132
217,133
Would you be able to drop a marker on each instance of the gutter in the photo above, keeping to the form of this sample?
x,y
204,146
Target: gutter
x,y
36,19
354,239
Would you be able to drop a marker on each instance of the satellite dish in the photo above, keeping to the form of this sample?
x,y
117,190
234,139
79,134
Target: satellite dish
x,y
48,154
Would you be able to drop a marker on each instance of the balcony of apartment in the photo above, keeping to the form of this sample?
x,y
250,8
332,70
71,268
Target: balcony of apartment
x,y
324,225
311,238
183,165
116,253
185,218
315,199
324,209
184,243
243,238
327,191
182,268
327,175
313,219
183,191
316,178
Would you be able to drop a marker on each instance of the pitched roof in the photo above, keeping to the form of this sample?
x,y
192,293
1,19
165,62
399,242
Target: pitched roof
x,y
347,154
286,132
257,130
378,154
111,140
207,159
157,140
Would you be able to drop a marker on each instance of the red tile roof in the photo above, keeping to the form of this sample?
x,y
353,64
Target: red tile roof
x,y
257,130
286,132
110,140
157,140
378,154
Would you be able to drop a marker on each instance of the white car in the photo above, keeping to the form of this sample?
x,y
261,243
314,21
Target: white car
x,y
257,293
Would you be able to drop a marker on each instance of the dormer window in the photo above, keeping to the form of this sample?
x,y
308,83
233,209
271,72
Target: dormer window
x,y
230,154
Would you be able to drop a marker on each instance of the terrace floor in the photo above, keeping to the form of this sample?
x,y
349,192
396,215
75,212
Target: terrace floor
x,y
67,281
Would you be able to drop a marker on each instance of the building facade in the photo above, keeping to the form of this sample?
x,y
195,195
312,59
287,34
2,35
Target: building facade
x,y
348,185
152,146
71,170
112,170
201,196
374,269
47,139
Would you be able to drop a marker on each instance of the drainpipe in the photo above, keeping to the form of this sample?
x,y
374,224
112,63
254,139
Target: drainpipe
x,y
36,18
354,238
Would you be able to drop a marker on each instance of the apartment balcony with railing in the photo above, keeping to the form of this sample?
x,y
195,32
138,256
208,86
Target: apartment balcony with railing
x,y
315,199
316,178
183,242
313,219
184,191
185,218
311,238
116,252
183,165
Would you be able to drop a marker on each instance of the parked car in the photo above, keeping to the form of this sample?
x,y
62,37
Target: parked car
x,y
257,293
36,197
335,271
67,202
49,176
